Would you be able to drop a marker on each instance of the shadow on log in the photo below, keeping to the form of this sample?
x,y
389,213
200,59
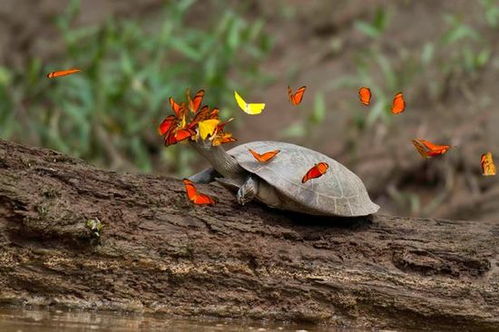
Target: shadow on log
x,y
157,253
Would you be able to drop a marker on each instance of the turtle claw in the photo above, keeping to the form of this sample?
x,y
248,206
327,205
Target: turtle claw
x,y
247,191
240,197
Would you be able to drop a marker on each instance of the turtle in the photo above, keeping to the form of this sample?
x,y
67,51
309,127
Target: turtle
x,y
278,183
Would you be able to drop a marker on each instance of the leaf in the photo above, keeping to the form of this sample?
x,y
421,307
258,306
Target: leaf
x,y
5,76
319,112
295,130
367,29
427,53
190,52
483,57
381,19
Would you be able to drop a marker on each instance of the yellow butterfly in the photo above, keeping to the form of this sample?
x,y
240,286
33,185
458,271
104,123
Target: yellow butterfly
x,y
207,127
252,109
488,167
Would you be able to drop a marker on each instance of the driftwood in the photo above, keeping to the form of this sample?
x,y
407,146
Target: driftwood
x,y
157,253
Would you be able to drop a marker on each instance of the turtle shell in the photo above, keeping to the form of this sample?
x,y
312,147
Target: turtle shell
x,y
339,192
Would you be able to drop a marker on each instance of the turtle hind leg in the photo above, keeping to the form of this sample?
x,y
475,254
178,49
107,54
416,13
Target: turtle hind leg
x,y
248,191
205,176
247,188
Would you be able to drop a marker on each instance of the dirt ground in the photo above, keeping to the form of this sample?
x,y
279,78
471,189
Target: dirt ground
x,y
316,43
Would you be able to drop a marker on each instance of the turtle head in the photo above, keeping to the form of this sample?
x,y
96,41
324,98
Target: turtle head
x,y
202,128
202,145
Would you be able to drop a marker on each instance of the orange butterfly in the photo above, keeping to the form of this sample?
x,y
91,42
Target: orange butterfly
x,y
178,109
317,171
428,149
167,124
223,138
59,73
204,114
365,95
264,157
194,196
296,98
398,104
195,103
488,166
178,136
220,137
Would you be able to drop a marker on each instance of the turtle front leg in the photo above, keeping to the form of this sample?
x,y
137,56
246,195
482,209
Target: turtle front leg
x,y
206,176
247,192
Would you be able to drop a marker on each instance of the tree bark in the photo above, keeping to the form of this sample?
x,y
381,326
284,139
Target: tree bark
x,y
158,253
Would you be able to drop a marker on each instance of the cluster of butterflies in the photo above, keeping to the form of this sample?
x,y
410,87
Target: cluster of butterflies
x,y
190,121
426,148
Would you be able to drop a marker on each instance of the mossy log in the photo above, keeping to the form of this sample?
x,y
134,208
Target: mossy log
x,y
157,253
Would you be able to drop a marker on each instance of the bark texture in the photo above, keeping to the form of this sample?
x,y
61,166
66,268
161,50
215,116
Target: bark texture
x,y
157,253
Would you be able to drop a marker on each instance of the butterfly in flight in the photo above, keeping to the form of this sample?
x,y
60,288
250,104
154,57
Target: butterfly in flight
x,y
251,108
398,104
488,166
365,95
428,149
296,97
196,197
60,73
264,157
317,171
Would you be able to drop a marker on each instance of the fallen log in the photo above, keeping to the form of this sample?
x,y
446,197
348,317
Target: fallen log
x,y
157,253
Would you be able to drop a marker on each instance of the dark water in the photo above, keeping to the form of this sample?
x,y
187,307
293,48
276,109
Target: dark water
x,y
23,320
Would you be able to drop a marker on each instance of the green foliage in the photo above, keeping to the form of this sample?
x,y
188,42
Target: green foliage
x,y
491,12
377,26
306,127
109,112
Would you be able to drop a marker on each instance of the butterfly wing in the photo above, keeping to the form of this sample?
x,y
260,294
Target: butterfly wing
x,y
202,199
178,135
296,98
222,139
365,95
254,109
178,109
398,104
248,108
433,146
207,127
439,152
167,124
316,171
59,73
240,102
421,148
214,113
190,189
195,102
488,166
194,196
435,149
183,134
264,157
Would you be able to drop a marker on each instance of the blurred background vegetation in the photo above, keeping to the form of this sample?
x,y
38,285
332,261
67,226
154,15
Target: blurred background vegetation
x,y
135,54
